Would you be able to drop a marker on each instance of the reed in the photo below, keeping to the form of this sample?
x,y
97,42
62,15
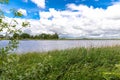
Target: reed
x,y
71,64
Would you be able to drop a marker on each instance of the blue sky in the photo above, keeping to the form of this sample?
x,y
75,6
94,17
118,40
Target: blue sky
x,y
69,18
33,10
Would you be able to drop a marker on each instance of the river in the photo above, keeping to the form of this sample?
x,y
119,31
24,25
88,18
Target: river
x,y
48,45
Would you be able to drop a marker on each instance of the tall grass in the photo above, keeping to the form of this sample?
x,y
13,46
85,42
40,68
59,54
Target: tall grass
x,y
71,64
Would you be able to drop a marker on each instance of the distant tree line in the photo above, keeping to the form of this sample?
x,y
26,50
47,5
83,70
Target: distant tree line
x,y
40,36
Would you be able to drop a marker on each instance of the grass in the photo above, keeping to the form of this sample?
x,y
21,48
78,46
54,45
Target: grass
x,y
71,64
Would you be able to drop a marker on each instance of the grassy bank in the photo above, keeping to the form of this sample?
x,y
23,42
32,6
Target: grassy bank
x,y
73,64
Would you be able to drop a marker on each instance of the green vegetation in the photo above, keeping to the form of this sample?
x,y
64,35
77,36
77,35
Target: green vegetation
x,y
9,28
73,64
40,36
4,1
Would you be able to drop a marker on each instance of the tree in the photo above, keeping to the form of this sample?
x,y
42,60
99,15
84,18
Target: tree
x,y
16,36
24,36
55,36
10,29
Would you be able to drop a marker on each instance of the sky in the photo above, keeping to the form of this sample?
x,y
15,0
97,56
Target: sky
x,y
69,18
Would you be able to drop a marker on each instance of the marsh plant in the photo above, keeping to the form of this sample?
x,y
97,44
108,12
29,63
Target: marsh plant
x,y
72,64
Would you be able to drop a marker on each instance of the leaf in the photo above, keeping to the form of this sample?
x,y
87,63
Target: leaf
x,y
24,24
13,25
18,14
15,21
0,20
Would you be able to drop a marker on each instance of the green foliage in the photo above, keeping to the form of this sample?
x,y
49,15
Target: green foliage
x,y
24,36
46,36
4,1
72,64
16,13
7,62
24,24
41,36
114,74
16,36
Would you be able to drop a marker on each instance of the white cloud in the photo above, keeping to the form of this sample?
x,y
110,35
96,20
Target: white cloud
x,y
113,11
83,21
23,11
39,3
7,11
78,21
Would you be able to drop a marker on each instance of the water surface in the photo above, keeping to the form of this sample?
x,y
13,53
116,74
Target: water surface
x,y
48,45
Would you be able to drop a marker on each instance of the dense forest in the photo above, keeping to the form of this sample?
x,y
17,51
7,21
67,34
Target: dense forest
x,y
40,36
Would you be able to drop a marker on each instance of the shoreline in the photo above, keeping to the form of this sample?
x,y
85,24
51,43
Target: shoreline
x,y
58,39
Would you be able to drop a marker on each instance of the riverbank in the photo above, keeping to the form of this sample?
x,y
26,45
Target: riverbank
x,y
71,39
73,64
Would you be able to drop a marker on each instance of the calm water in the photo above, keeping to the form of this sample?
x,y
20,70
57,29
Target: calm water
x,y
48,45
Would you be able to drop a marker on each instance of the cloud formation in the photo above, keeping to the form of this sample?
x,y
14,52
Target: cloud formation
x,y
83,21
39,3
78,21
